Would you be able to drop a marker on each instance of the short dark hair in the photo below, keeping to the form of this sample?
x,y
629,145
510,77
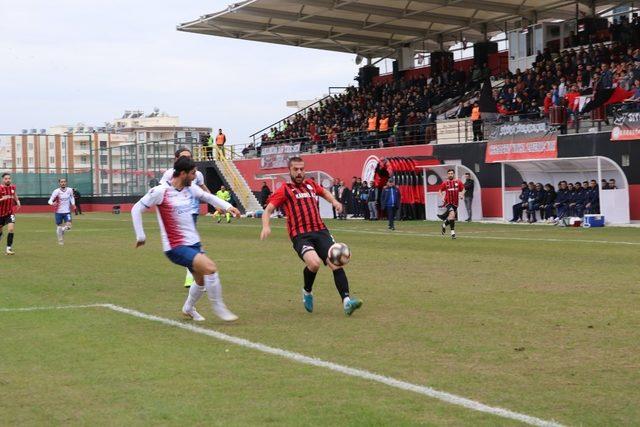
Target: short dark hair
x,y
450,170
5,174
60,179
183,164
294,159
180,150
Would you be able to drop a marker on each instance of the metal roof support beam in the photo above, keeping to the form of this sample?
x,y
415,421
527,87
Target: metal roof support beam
x,y
337,22
390,12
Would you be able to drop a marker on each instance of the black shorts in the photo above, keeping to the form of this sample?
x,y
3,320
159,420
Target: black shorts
x,y
450,208
9,219
319,241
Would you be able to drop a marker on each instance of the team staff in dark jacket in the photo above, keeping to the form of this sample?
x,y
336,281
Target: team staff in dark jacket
x,y
372,202
562,199
522,204
576,206
391,201
592,199
546,208
536,198
468,195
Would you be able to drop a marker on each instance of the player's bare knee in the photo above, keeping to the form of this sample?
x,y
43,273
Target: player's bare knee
x,y
314,264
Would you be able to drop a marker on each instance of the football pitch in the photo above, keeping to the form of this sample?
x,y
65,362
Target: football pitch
x,y
507,325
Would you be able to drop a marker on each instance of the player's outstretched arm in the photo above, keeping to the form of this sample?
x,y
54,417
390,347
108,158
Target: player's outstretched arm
x,y
136,216
266,217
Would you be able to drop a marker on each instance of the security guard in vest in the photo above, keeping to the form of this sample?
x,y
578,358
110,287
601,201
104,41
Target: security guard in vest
x,y
221,138
223,194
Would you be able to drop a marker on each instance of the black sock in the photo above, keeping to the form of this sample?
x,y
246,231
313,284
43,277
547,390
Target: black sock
x,y
342,283
309,277
9,240
446,222
0,235
452,223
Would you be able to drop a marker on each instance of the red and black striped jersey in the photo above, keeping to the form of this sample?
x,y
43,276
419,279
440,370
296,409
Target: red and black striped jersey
x,y
452,189
299,203
7,205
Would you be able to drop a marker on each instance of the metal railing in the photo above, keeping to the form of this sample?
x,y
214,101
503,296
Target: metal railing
x,y
278,125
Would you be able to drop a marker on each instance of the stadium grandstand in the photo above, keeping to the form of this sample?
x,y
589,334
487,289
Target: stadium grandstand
x,y
529,82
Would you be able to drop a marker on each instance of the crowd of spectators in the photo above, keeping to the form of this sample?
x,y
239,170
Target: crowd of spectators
x,y
397,113
405,111
569,200
559,79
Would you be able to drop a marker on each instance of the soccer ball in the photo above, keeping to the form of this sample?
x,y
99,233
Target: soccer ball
x,y
339,254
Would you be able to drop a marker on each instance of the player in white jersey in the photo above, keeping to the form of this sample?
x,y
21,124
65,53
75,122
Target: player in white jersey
x,y
64,202
199,181
180,240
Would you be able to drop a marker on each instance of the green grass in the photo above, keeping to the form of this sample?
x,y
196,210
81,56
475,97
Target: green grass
x,y
539,320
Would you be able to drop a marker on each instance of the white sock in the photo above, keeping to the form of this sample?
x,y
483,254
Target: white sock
x,y
214,288
453,232
345,301
59,231
195,293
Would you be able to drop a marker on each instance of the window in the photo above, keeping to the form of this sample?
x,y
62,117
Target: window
x,y
18,146
64,145
104,159
103,144
52,160
19,161
52,145
104,188
30,160
83,159
30,146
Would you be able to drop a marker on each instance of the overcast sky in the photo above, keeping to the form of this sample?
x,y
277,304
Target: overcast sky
x,y
71,61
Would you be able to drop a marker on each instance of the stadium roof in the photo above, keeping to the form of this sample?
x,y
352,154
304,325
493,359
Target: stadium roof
x,y
377,28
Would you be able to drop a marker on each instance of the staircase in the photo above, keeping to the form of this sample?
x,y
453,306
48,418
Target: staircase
x,y
238,184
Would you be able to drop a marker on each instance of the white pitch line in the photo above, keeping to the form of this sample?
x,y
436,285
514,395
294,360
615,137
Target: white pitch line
x,y
55,307
306,360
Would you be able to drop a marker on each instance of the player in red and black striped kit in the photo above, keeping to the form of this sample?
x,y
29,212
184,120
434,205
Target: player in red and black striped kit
x,y
9,202
451,191
298,200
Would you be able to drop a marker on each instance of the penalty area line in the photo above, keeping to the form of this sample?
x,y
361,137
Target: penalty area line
x,y
307,360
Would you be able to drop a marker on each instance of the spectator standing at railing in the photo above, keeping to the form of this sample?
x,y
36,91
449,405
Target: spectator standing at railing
x,y
476,122
209,148
221,139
